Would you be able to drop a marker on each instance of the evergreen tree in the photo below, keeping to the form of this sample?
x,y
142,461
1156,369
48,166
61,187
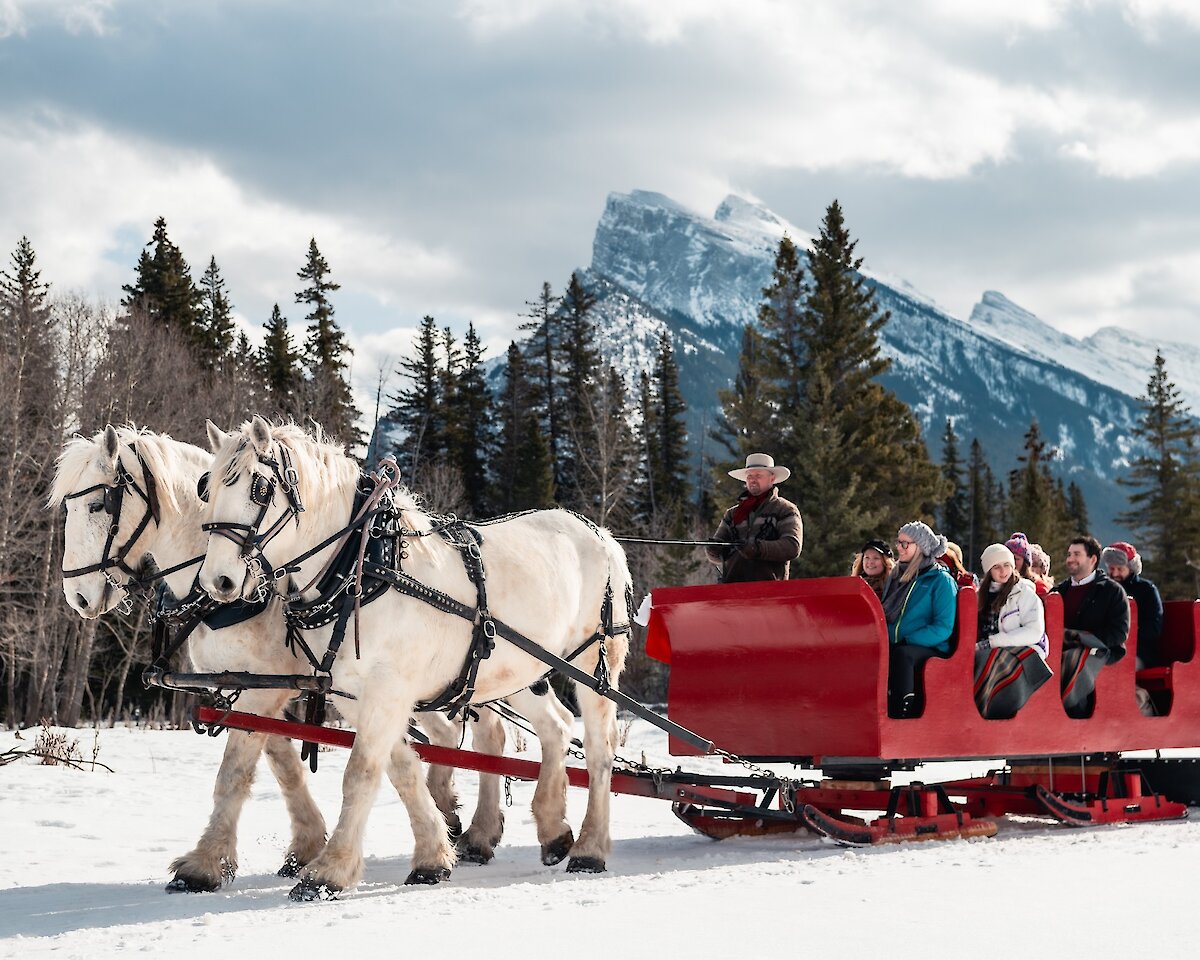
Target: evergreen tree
x,y
744,424
524,473
1036,503
1165,487
954,513
781,319
279,361
214,330
645,487
469,424
984,507
541,355
163,289
330,402
669,468
419,408
580,361
1077,509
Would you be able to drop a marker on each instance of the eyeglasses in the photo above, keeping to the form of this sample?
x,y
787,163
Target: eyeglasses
x,y
905,543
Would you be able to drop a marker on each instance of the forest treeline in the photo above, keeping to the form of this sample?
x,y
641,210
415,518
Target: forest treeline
x,y
555,423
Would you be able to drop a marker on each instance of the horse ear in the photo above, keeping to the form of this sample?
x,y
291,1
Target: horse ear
x,y
111,447
260,435
216,436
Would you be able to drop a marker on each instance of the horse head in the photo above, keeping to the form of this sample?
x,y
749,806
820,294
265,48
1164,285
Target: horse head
x,y
257,490
111,506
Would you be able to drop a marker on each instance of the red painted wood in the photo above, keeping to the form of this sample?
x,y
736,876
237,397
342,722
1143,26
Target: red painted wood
x,y
799,669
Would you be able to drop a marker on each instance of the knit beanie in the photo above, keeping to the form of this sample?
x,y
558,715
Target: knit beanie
x,y
928,542
1018,543
996,553
1122,554
1039,559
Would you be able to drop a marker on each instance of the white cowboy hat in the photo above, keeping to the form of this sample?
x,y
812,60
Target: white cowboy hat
x,y
761,461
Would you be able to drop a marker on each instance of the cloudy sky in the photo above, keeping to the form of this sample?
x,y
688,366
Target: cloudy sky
x,y
450,156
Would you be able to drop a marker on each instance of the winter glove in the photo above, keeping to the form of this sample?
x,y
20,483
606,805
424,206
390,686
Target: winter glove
x,y
984,644
748,551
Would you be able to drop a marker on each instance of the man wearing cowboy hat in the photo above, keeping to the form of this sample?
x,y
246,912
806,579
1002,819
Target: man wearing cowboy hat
x,y
764,531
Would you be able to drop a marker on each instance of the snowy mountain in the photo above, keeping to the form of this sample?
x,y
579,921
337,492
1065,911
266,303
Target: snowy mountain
x,y
657,265
1112,355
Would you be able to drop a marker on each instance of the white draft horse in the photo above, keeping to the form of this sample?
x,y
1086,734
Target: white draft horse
x,y
90,469
549,574
88,472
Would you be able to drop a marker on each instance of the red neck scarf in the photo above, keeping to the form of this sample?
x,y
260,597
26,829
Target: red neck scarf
x,y
747,505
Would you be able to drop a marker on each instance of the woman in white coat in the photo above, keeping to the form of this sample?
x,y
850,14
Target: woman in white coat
x,y
1010,654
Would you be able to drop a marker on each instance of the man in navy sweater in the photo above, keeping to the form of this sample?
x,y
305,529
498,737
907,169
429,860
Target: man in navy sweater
x,y
1095,624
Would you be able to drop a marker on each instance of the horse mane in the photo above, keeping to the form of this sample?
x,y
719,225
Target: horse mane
x,y
322,465
161,454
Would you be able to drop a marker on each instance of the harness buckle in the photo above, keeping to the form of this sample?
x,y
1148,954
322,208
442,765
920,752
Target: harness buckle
x,y
290,477
488,626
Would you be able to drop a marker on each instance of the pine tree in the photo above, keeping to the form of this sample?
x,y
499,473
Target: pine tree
x,y
669,468
954,512
163,289
781,319
330,402
580,362
418,408
542,356
279,361
469,423
645,487
214,330
984,507
744,424
1165,485
1077,509
1037,504
524,473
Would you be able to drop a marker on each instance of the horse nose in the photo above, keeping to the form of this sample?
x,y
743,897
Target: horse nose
x,y
81,601
223,589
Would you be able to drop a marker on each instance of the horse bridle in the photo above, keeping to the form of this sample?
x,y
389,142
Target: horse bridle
x,y
114,499
250,542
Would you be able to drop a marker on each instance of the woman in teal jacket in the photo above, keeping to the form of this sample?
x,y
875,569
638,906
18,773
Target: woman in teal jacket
x,y
919,602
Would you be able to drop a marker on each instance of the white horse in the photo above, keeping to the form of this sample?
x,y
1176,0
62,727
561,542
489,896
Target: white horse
x,y
173,469
548,576
255,646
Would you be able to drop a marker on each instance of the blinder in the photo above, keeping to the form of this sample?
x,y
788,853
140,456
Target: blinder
x,y
262,490
202,487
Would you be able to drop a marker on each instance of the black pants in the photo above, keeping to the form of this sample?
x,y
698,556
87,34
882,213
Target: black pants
x,y
903,661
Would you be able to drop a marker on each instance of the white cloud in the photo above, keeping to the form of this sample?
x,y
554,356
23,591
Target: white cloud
x,y
77,16
82,194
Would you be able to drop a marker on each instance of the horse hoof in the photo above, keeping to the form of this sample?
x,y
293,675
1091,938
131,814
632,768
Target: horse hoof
x,y
185,884
469,853
427,875
585,865
557,849
309,889
291,867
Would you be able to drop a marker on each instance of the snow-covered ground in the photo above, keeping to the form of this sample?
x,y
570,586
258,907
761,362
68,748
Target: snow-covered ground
x,y
85,857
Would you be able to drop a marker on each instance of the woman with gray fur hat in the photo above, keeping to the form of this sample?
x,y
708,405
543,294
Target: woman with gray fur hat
x,y
919,603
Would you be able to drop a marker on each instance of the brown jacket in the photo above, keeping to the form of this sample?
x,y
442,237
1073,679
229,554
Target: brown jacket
x,y
769,539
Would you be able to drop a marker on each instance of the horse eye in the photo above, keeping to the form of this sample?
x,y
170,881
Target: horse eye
x,y
96,507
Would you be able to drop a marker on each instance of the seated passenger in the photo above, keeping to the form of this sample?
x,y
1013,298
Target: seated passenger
x,y
1095,624
764,531
1018,543
873,563
1124,565
919,602
1039,567
1010,655
952,560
